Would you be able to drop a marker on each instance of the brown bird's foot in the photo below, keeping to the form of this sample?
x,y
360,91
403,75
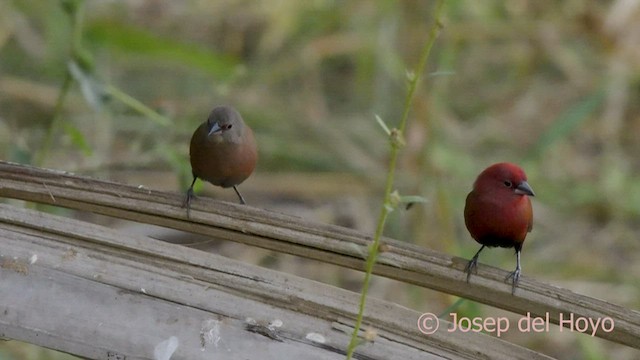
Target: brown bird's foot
x,y
187,201
239,196
190,195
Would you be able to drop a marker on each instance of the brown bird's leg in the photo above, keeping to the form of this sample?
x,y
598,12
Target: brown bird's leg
x,y
190,195
473,263
239,196
516,273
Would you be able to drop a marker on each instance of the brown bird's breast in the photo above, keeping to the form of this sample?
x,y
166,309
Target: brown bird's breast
x,y
502,222
223,163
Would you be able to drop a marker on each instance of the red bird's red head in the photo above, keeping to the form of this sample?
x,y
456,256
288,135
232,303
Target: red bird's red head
x,y
498,210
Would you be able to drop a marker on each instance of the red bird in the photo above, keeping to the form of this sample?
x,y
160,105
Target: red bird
x,y
498,212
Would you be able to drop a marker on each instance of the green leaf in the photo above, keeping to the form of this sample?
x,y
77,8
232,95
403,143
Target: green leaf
x,y
383,125
91,90
77,138
20,155
136,105
442,73
132,40
412,199
569,121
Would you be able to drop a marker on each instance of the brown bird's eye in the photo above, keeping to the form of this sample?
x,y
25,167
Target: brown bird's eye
x,y
507,183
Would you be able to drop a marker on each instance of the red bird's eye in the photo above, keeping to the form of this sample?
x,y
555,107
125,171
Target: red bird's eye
x,y
507,183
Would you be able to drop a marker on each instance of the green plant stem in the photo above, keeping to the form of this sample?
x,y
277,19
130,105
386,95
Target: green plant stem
x,y
76,40
452,307
413,82
76,27
53,126
396,142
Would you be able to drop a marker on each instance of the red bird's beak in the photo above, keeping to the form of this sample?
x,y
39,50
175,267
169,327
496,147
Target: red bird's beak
x,y
524,189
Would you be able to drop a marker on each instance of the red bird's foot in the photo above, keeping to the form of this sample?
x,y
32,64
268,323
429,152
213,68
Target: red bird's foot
x,y
515,275
472,265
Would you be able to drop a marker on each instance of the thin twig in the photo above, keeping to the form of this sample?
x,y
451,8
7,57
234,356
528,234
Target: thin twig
x,y
396,142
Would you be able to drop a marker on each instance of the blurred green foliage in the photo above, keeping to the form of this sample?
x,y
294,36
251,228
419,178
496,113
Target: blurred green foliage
x,y
133,41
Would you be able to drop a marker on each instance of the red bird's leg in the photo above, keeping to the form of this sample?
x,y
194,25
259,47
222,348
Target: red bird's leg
x,y
239,196
190,195
473,264
515,274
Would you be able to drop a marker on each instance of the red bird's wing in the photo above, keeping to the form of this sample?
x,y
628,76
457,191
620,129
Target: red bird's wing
x,y
497,221
530,218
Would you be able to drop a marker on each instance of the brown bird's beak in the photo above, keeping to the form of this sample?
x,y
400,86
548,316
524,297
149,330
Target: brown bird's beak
x,y
524,189
215,128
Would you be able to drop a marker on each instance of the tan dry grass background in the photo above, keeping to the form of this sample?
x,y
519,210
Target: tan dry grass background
x,y
551,85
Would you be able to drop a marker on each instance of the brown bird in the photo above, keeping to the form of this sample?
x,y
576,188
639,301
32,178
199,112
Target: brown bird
x,y
498,212
223,151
